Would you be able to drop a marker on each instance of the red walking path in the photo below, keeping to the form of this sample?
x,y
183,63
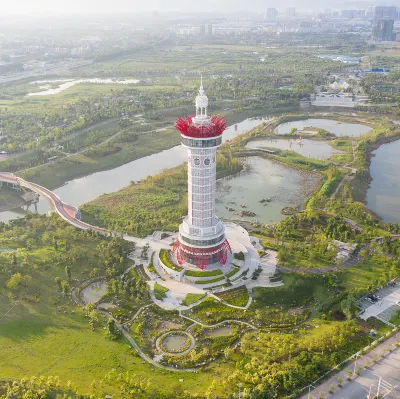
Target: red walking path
x,y
68,212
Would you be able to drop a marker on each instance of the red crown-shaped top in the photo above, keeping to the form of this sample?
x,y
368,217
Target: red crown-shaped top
x,y
189,129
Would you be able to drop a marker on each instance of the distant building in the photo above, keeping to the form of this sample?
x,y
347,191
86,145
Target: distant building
x,y
353,14
209,30
384,12
382,30
202,30
272,13
291,12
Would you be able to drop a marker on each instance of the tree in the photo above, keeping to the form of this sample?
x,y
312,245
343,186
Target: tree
x,y
65,287
14,282
349,306
68,272
113,329
59,283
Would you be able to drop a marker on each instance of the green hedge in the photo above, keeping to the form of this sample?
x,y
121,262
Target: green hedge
x,y
165,257
211,281
206,273
232,272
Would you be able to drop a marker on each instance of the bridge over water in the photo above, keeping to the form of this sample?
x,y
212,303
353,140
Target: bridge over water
x,y
69,213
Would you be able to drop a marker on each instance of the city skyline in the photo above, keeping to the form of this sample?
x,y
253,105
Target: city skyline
x,y
119,6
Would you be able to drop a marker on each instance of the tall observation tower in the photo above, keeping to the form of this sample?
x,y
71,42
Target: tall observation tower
x,y
201,239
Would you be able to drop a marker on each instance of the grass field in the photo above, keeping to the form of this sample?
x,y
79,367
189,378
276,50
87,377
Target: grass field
x,y
111,155
296,291
160,292
43,332
237,297
366,273
192,298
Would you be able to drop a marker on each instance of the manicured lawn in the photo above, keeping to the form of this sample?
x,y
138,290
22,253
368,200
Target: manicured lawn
x,y
192,298
205,273
232,272
214,280
237,297
160,292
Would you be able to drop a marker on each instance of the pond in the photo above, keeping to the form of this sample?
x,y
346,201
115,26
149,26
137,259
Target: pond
x,y
174,343
384,191
67,83
2,250
94,291
219,332
79,191
321,150
332,126
261,179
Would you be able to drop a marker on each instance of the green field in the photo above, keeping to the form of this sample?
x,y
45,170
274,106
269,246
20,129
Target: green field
x,y
296,291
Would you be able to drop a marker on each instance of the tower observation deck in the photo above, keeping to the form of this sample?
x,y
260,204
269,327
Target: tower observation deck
x,y
201,239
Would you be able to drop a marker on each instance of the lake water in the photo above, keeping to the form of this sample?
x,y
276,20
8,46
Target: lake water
x,y
332,126
94,292
309,148
383,195
66,84
85,189
263,178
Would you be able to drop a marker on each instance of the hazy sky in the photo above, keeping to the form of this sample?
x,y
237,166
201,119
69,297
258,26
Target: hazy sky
x,y
112,6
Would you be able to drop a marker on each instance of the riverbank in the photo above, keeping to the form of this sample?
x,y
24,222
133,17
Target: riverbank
x,y
124,146
364,150
383,132
154,204
10,199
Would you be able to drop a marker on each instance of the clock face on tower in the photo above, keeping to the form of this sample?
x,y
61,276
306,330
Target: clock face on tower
x,y
196,161
207,161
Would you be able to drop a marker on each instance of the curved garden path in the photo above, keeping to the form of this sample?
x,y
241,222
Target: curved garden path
x,y
233,306
221,323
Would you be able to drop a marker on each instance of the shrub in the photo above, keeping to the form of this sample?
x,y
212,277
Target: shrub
x,y
211,281
165,257
205,273
239,256
160,292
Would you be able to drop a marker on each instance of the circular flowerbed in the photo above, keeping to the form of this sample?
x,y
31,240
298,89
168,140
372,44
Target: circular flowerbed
x,y
175,342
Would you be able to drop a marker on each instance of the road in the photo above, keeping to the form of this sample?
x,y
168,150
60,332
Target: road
x,y
388,369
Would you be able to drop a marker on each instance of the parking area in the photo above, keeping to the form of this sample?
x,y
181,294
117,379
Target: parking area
x,y
385,308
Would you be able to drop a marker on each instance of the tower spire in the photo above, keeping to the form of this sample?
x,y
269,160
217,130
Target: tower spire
x,y
201,105
201,91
